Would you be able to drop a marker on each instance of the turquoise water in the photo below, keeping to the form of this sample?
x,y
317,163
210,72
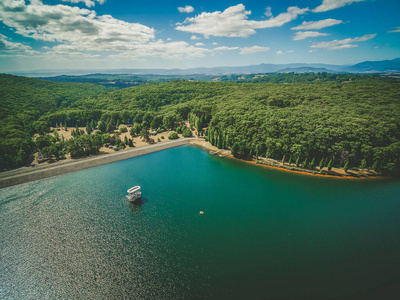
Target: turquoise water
x,y
265,234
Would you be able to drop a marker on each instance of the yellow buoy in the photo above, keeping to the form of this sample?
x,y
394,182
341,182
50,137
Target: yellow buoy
x,y
202,212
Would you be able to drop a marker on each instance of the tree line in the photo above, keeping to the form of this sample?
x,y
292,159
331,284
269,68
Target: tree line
x,y
347,123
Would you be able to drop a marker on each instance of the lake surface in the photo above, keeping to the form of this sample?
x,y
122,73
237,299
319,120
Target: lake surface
x,y
265,234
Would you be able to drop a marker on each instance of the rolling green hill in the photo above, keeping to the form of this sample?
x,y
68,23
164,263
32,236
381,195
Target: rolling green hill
x,y
355,121
23,101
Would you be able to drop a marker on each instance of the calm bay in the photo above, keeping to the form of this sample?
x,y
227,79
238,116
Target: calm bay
x,y
264,234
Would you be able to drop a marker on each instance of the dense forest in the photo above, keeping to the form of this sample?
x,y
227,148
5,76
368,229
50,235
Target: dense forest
x,y
118,81
336,119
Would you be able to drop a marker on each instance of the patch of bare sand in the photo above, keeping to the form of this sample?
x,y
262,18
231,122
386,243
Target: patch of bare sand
x,y
137,141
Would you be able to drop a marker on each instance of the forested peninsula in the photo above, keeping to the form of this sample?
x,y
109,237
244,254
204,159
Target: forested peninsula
x,y
325,120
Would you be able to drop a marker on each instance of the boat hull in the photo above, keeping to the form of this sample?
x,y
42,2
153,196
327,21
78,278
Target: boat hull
x,y
134,199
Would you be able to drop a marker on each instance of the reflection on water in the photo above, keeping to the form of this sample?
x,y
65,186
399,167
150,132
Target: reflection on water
x,y
137,206
264,234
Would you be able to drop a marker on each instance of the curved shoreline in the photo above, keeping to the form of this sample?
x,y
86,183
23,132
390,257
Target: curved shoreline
x,y
310,174
286,170
23,175
28,174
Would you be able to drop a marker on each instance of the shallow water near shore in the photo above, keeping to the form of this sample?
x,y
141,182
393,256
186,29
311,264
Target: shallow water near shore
x,y
264,234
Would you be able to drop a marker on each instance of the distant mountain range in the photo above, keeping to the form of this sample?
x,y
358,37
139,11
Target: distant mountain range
x,y
385,66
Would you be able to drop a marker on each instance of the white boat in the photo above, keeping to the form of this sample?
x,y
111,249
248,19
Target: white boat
x,y
134,194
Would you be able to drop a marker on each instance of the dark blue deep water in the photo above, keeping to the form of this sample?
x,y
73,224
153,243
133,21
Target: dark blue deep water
x,y
265,234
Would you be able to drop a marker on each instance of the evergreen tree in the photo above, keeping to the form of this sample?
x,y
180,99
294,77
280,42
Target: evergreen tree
x,y
88,128
110,126
330,165
144,133
126,140
102,126
130,143
219,143
346,166
298,161
199,125
305,163
56,135
312,163
363,164
321,164
375,166
93,124
118,123
235,149
290,160
137,128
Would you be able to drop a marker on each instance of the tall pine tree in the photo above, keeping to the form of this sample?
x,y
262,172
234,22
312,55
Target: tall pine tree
x,y
321,164
330,165
312,163
346,166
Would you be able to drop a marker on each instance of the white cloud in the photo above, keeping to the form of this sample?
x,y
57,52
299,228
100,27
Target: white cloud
x,y
224,48
173,50
317,24
79,31
233,22
268,12
301,35
215,43
397,29
79,28
280,52
88,3
12,47
333,4
343,44
254,49
186,9
199,44
193,37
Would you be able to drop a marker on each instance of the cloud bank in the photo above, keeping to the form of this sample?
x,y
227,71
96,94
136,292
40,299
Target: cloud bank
x,y
233,22
77,30
333,4
315,25
301,35
88,3
343,44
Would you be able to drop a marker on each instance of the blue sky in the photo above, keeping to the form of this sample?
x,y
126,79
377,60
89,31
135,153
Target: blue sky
x,y
101,34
